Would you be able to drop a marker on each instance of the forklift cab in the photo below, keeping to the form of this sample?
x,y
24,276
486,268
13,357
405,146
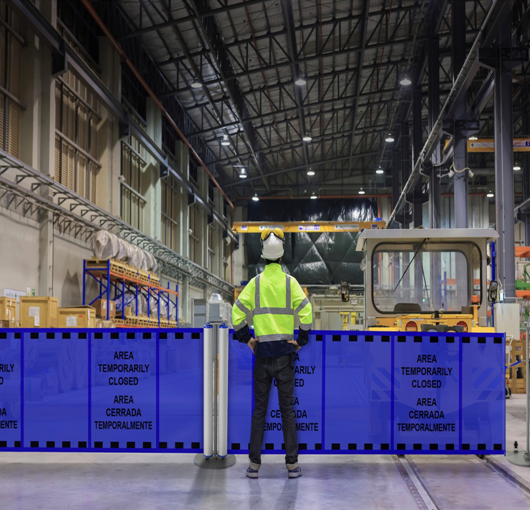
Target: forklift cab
x,y
426,279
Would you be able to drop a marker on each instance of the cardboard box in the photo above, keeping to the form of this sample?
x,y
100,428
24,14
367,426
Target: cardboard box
x,y
101,308
39,312
100,323
8,309
78,317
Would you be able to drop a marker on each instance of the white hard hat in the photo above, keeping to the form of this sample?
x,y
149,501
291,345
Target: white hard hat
x,y
272,245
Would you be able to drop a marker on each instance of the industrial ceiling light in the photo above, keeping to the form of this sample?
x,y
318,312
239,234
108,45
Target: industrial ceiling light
x,y
307,137
389,138
473,138
225,141
243,174
255,197
196,84
516,168
300,81
361,192
310,172
490,194
379,170
313,196
405,81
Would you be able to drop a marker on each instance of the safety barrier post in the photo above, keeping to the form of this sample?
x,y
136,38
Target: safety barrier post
x,y
215,405
208,395
223,390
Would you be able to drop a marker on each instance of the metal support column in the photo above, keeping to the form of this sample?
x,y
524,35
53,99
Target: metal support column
x,y
526,196
434,111
417,199
504,198
396,168
417,145
406,164
458,11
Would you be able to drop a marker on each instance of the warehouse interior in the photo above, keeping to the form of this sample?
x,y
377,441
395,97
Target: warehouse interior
x,y
144,147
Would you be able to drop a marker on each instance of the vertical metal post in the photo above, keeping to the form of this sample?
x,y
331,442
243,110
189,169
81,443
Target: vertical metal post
x,y
526,196
504,192
223,389
406,167
458,21
84,282
434,111
215,389
417,206
396,168
417,144
208,395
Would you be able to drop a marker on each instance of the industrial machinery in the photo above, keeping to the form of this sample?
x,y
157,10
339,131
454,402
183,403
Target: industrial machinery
x,y
426,279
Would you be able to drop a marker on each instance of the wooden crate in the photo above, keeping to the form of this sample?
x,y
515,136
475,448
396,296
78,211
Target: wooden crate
x,y
77,317
8,309
39,312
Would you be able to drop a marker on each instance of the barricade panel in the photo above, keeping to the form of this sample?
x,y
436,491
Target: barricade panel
x,y
483,394
180,391
426,393
123,403
358,393
11,418
240,400
55,390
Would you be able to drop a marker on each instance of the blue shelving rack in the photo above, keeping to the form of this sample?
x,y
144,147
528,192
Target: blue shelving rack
x,y
114,285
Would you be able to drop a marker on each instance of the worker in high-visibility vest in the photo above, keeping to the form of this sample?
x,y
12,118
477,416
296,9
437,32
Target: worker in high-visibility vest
x,y
272,298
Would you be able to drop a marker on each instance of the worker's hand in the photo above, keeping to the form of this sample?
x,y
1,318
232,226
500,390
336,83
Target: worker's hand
x,y
295,343
252,344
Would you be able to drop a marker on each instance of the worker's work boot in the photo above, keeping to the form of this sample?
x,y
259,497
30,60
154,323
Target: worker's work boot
x,y
294,470
252,471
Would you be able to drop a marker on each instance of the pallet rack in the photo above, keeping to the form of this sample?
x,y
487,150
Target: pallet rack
x,y
116,278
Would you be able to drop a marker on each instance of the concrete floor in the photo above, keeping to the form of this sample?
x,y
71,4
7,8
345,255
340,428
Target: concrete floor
x,y
150,481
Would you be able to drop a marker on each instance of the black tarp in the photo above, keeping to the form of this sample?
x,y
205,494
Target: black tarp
x,y
324,258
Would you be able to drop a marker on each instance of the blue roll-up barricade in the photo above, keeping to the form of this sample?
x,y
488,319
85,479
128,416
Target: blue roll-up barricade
x,y
355,392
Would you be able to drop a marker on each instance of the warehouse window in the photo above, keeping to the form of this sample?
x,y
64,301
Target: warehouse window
x,y
170,211
194,232
211,246
76,117
10,61
133,159
227,252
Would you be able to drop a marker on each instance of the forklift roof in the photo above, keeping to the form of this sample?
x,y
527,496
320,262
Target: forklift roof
x,y
436,234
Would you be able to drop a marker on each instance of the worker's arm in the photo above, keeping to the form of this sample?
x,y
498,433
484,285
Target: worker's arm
x,y
303,308
243,305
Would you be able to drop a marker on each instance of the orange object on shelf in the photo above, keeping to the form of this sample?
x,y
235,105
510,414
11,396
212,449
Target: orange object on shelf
x,y
522,251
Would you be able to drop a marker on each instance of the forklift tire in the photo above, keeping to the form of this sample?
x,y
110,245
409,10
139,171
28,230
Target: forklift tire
x,y
455,329
426,328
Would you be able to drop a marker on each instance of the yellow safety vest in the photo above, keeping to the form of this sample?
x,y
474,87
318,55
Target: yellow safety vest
x,y
273,298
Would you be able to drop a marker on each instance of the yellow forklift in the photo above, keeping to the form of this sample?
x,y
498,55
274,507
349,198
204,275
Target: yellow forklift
x,y
426,279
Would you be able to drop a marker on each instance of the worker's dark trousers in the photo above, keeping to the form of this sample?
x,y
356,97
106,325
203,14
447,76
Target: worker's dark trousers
x,y
265,370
